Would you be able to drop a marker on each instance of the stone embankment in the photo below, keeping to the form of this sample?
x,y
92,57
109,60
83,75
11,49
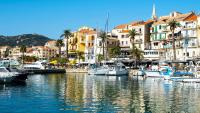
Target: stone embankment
x,y
76,70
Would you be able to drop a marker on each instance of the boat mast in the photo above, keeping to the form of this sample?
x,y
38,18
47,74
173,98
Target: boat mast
x,y
106,43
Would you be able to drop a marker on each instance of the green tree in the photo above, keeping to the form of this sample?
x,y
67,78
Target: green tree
x,y
23,50
136,53
100,57
67,34
79,55
103,37
114,51
132,34
173,24
59,44
6,53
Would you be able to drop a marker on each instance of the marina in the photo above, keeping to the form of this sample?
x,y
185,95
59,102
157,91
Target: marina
x,y
99,56
61,93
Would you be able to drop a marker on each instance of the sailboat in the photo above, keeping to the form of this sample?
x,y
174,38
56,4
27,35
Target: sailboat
x,y
98,69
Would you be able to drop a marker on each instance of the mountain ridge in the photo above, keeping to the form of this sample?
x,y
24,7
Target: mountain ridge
x,y
24,39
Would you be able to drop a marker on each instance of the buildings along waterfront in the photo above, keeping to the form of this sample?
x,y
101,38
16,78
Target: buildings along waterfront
x,y
154,39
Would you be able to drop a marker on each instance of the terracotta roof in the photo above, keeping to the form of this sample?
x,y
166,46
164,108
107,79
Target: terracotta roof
x,y
122,26
84,31
87,31
166,19
92,32
137,23
148,21
192,17
124,31
51,42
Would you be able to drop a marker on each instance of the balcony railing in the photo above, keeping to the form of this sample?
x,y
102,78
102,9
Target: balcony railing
x,y
165,30
189,27
138,41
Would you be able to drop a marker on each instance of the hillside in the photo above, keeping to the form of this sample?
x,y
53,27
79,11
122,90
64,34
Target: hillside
x,y
25,39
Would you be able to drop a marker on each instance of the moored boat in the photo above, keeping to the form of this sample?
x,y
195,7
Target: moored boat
x,y
102,70
118,69
7,76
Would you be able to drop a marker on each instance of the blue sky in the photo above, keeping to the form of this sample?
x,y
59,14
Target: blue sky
x,y
51,17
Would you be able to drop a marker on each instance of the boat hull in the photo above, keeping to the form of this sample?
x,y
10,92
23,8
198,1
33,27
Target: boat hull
x,y
118,73
98,71
153,74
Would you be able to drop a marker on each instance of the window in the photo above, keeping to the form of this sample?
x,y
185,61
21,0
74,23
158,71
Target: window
x,y
100,43
140,31
126,42
122,42
160,36
188,54
156,44
92,37
193,53
122,36
159,26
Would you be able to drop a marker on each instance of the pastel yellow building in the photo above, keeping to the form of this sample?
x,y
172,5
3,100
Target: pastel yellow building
x,y
81,41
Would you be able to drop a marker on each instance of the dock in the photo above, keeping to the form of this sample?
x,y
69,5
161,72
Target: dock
x,y
77,70
185,80
45,71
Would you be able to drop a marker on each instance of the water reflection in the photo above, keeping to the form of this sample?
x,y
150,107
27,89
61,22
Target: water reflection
x,y
83,93
120,94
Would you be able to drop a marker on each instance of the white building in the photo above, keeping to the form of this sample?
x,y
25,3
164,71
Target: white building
x,y
186,40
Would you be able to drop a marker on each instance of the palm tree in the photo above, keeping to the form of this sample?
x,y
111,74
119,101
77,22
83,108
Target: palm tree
x,y
67,34
59,44
173,24
79,55
100,57
23,50
137,53
132,34
114,51
134,51
103,36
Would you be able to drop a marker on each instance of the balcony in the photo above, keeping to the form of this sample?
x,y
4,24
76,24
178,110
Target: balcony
x,y
138,41
165,30
82,41
190,35
193,44
189,27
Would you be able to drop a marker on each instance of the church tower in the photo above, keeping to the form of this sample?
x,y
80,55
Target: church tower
x,y
154,17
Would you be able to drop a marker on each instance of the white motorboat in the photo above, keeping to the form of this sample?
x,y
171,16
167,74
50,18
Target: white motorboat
x,y
118,69
5,75
164,71
102,70
9,76
152,73
35,65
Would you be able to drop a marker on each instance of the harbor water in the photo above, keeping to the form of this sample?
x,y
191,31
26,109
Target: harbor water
x,y
65,93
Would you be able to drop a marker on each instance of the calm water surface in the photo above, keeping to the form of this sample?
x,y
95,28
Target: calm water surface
x,y
83,93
